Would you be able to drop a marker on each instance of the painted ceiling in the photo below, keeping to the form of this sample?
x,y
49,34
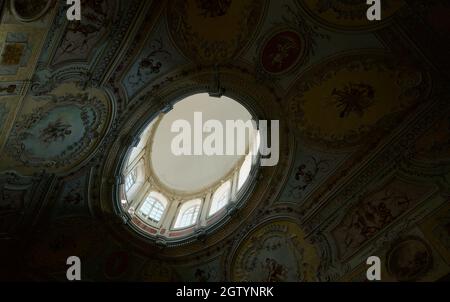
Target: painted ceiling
x,y
364,108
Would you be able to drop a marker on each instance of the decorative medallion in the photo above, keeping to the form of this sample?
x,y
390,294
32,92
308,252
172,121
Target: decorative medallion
x,y
30,10
289,44
339,102
282,51
348,14
59,133
410,259
275,252
213,31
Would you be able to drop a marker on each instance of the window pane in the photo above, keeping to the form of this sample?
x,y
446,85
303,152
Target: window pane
x,y
157,211
256,143
220,198
244,171
146,207
188,214
130,180
152,209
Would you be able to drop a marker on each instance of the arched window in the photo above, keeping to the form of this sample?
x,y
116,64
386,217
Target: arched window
x,y
153,208
244,171
165,195
220,198
130,180
188,214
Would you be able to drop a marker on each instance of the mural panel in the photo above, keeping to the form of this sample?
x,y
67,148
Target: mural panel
x,y
310,170
81,37
339,102
409,258
71,198
374,211
211,32
61,132
275,252
156,58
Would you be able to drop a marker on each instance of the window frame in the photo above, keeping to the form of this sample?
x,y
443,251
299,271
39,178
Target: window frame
x,y
222,189
154,201
130,180
248,164
195,204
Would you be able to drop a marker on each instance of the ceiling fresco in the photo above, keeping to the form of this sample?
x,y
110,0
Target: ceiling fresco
x,y
275,252
352,109
155,59
79,40
59,128
374,211
364,132
310,169
212,32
